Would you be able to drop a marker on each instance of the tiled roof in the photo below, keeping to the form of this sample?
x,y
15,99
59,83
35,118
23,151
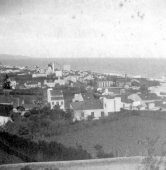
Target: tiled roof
x,y
150,96
87,96
57,98
125,99
160,104
7,99
56,93
87,105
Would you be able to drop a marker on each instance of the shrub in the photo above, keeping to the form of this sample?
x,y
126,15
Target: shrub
x,y
101,153
23,130
51,169
26,168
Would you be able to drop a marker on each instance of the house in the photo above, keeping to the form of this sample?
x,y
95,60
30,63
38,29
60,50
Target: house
x,y
113,91
84,109
55,98
150,99
144,101
95,108
4,120
38,75
29,85
52,83
25,98
13,84
58,73
137,101
78,98
127,104
104,84
161,105
72,78
111,104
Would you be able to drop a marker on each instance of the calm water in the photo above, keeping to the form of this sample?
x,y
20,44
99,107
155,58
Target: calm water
x,y
145,67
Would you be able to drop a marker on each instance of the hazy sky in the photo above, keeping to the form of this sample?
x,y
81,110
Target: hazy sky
x,y
83,28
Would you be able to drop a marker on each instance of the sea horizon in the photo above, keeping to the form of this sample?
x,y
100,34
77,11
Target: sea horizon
x,y
146,67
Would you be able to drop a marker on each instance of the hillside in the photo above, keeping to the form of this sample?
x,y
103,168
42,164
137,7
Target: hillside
x,y
7,158
124,135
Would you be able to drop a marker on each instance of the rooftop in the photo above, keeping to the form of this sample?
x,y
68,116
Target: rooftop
x,y
87,105
149,96
56,93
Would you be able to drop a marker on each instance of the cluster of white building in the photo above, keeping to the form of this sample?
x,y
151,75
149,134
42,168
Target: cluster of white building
x,y
106,105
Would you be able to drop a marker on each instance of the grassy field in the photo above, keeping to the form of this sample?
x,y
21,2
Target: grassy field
x,y
123,135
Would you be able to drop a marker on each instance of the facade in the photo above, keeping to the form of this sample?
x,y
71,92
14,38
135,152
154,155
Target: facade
x,y
86,109
111,105
52,84
71,78
55,98
32,85
39,75
13,84
4,120
58,73
104,84
95,108
78,98
127,104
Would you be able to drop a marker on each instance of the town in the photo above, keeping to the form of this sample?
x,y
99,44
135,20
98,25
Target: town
x,y
85,94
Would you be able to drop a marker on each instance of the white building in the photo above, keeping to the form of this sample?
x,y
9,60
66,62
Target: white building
x,y
85,109
4,120
39,75
54,98
13,84
111,105
52,84
29,85
78,98
104,84
95,108
58,73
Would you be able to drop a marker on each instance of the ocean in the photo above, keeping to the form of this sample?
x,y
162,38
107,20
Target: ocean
x,y
146,67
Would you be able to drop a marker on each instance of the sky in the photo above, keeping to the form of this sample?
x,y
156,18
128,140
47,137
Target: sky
x,y
83,28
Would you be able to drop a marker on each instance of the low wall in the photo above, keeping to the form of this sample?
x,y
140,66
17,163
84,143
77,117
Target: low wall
x,y
125,163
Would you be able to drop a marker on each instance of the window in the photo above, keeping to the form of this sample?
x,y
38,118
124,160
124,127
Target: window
x,y
102,114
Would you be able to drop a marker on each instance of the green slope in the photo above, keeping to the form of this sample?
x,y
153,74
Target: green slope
x,y
125,135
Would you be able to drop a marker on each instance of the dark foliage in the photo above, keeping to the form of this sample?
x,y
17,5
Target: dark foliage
x,y
101,154
6,82
41,151
26,168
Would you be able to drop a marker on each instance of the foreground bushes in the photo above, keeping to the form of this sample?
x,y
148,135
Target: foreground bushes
x,y
41,151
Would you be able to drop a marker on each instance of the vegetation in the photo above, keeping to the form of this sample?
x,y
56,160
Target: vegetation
x,y
6,82
26,168
42,122
152,161
28,150
102,154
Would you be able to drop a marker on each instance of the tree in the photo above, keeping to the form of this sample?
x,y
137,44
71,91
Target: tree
x,y
6,82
